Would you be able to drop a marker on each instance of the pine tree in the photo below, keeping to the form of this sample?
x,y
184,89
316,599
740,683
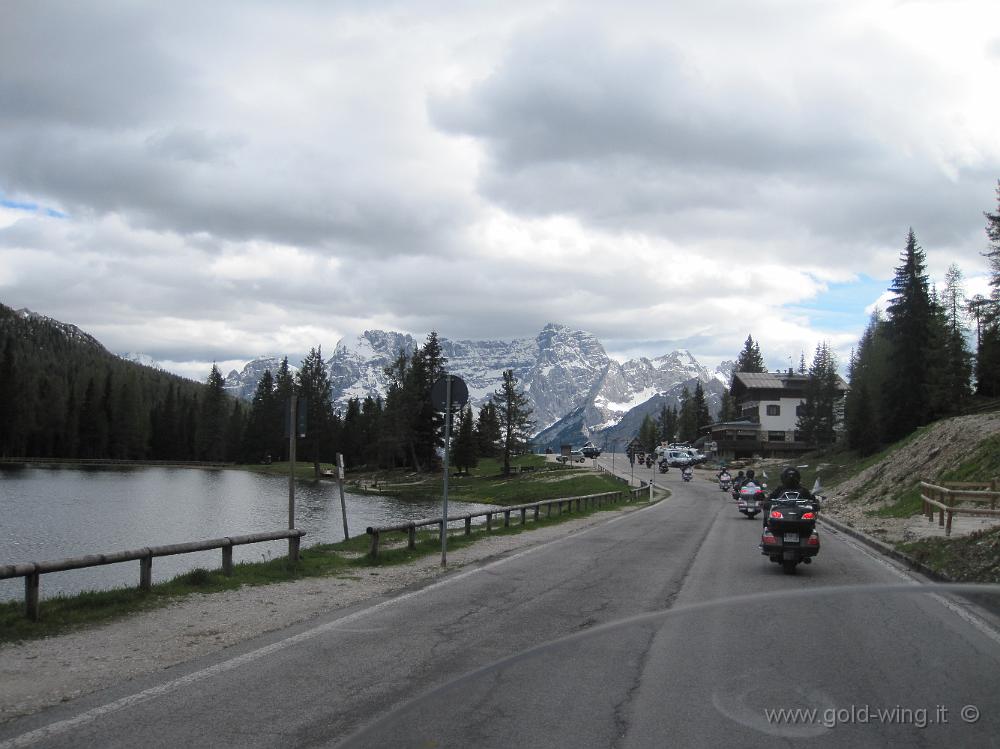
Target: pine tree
x,y
487,431
649,433
988,348
907,396
211,434
749,359
817,416
687,418
701,415
259,436
514,415
313,387
464,445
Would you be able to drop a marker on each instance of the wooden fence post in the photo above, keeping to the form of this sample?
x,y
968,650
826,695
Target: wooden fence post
x,y
373,549
489,522
146,570
227,560
536,512
468,525
31,585
293,548
411,537
524,512
506,518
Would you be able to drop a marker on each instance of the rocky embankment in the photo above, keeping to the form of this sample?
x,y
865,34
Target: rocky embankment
x,y
942,446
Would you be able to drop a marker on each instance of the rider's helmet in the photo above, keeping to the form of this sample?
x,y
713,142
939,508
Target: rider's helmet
x,y
739,475
750,474
790,478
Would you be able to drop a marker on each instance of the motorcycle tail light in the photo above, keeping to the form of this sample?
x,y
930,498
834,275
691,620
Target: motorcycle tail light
x,y
769,538
776,514
809,516
813,540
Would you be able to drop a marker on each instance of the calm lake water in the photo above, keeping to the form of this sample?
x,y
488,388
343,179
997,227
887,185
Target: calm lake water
x,y
53,513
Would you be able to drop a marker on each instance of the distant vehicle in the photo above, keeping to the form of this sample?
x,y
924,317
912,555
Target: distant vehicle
x,y
590,451
575,456
677,458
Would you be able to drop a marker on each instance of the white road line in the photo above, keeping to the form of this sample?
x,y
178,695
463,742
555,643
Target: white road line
x,y
963,613
62,726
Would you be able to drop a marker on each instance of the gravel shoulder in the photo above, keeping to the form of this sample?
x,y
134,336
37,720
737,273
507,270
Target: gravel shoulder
x,y
38,673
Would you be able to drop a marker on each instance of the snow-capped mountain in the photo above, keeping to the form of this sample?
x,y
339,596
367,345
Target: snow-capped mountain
x,y
562,371
243,384
70,331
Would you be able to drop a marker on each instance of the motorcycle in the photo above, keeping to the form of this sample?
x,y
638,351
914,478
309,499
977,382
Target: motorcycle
x,y
725,482
686,473
663,466
751,499
790,536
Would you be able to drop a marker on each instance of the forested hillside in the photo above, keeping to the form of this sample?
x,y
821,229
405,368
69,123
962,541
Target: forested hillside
x,y
62,394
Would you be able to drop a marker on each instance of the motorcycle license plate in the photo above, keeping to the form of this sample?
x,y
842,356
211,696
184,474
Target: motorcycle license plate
x,y
791,538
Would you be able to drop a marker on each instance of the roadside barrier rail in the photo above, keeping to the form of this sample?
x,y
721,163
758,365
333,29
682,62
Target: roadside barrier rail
x,y
588,501
32,571
945,497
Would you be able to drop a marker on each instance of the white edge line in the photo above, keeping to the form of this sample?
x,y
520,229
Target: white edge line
x,y
62,726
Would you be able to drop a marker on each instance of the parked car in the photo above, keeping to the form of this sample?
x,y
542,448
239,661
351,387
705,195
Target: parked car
x,y
677,458
590,451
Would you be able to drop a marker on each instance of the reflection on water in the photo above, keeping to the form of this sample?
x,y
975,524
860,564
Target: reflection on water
x,y
53,513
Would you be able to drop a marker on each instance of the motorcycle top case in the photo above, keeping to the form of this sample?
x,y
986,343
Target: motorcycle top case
x,y
795,517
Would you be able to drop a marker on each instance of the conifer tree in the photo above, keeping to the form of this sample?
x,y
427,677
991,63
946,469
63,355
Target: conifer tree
x,y
750,358
487,430
463,449
988,348
907,399
313,386
212,431
514,415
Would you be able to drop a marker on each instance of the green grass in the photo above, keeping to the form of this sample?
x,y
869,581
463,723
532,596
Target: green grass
x,y
972,558
63,613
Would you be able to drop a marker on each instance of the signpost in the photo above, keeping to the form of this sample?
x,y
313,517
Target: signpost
x,y
295,425
447,391
340,485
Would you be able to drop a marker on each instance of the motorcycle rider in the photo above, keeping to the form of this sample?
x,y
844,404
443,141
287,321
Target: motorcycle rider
x,y
740,483
791,481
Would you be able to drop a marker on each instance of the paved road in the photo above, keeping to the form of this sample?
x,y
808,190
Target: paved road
x,y
702,674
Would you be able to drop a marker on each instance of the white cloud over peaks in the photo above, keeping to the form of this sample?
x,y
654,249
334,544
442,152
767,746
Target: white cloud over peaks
x,y
661,174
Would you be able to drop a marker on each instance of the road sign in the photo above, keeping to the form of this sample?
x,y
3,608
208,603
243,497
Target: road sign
x,y
439,392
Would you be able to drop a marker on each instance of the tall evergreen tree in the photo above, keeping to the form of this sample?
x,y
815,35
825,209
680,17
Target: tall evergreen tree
x,y
817,417
907,397
463,449
514,415
687,418
212,432
313,385
988,348
701,415
750,359
649,433
488,434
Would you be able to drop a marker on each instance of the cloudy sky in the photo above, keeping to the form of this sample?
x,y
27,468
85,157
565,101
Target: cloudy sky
x,y
212,181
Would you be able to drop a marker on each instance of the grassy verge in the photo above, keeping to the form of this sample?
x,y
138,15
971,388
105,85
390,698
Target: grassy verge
x,y
346,558
973,558
485,483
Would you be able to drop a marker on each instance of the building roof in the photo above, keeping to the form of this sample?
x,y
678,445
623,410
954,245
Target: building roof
x,y
778,380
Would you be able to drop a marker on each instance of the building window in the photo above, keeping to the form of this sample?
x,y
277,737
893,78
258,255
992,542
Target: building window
x,y
774,410
775,436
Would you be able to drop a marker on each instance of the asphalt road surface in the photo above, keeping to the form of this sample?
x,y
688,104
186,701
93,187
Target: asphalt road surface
x,y
662,627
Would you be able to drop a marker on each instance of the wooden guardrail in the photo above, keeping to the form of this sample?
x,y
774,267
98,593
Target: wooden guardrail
x,y
588,501
945,497
32,571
